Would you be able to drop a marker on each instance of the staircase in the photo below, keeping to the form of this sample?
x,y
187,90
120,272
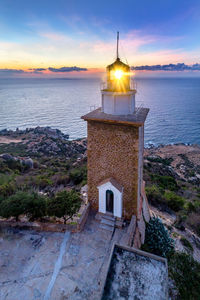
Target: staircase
x,y
107,222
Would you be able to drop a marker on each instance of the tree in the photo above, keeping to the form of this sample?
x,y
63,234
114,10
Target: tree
x,y
35,206
14,205
64,205
78,175
20,203
157,239
185,271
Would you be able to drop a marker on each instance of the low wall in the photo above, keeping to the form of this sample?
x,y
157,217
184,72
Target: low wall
x,y
39,226
129,236
83,218
53,227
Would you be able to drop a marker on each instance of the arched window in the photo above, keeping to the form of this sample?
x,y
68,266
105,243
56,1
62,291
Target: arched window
x,y
109,201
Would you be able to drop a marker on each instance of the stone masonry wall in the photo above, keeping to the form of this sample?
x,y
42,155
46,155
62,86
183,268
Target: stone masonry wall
x,y
113,152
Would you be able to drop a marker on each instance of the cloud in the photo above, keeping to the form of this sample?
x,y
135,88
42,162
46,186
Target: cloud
x,y
168,67
42,71
67,69
37,69
11,71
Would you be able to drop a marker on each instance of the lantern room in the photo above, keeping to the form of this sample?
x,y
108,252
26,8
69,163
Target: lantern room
x,y
118,77
118,98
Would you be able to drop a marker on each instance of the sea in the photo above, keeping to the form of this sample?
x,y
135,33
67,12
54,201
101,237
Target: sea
x,y
174,104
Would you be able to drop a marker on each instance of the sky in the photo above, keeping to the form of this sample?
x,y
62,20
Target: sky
x,y
66,37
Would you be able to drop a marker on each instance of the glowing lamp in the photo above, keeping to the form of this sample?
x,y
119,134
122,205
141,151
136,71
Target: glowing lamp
x,y
118,74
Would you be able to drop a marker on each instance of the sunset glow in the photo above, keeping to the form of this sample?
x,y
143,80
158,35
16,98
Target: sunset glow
x,y
79,38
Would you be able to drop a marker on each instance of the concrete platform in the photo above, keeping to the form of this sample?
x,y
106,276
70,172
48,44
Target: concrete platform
x,y
135,274
56,266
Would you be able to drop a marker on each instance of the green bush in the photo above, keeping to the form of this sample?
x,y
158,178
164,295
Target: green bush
x,y
7,185
180,221
186,243
42,181
78,175
154,194
190,207
193,220
164,161
157,239
165,182
20,203
197,203
35,206
60,179
185,272
14,206
4,168
64,205
174,201
14,165
7,189
6,178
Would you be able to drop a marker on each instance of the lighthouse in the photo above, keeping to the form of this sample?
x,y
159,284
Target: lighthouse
x,y
115,147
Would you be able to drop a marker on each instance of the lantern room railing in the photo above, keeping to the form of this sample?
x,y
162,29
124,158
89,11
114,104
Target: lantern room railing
x,y
104,86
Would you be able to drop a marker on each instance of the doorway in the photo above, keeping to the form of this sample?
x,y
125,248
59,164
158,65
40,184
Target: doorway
x,y
109,201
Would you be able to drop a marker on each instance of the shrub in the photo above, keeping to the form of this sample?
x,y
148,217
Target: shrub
x,y
64,205
154,194
185,271
78,175
35,206
7,185
179,223
165,182
157,239
20,203
193,221
3,167
164,161
42,181
60,179
174,201
14,206
4,178
6,189
197,203
14,165
190,207
186,243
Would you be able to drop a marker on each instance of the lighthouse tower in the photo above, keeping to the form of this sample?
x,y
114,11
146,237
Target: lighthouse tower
x,y
115,147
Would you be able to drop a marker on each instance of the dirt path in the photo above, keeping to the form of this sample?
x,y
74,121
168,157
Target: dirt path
x,y
6,140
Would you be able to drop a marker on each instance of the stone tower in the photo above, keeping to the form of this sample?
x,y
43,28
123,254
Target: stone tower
x,y
115,147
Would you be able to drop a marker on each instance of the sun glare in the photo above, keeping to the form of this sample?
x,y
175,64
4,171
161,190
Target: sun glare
x,y
118,74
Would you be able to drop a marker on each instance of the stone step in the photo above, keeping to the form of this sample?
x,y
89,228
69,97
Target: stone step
x,y
108,222
108,217
119,223
106,227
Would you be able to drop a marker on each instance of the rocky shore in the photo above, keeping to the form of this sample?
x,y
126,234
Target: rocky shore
x,y
180,160
43,141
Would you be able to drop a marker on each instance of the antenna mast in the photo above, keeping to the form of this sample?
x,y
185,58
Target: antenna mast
x,y
117,44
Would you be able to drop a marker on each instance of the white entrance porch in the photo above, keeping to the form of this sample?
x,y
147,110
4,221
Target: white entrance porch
x,y
110,197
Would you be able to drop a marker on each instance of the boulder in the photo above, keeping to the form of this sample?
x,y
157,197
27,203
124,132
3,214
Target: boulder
x,y
7,156
28,162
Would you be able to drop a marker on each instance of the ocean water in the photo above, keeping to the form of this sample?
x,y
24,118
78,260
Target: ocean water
x,y
174,104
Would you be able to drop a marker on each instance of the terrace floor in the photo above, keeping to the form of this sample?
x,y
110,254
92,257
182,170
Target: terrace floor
x,y
44,265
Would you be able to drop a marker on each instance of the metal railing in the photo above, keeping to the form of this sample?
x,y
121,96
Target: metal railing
x,y
133,85
139,106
